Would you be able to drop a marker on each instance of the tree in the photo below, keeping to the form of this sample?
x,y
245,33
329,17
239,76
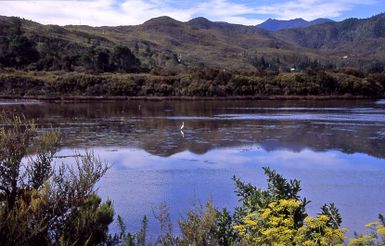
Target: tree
x,y
260,63
18,51
96,59
102,60
132,239
124,60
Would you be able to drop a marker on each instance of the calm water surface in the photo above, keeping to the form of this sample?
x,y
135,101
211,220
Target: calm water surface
x,y
336,148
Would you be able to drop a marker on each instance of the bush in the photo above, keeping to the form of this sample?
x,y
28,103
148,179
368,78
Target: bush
x,y
375,238
42,204
276,216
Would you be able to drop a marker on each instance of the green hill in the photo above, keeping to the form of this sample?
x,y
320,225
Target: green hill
x,y
353,42
166,44
195,58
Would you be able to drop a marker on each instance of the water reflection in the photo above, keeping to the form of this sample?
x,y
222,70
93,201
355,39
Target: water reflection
x,y
138,182
233,158
154,126
335,148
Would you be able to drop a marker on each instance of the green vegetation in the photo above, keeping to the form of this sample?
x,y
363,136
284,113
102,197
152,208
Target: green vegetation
x,y
164,57
200,82
43,204
17,50
164,44
46,204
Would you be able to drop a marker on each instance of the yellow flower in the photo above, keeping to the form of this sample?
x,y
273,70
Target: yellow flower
x,y
381,230
372,224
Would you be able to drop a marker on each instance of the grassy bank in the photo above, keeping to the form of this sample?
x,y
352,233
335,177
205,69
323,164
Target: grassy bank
x,y
203,84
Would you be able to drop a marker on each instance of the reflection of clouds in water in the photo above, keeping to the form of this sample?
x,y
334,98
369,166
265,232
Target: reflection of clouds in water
x,y
305,159
138,182
256,157
229,158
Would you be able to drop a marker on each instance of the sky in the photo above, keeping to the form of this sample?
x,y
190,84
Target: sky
x,y
133,12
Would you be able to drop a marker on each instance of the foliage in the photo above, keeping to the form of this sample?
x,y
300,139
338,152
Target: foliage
x,y
199,227
278,215
275,225
124,60
166,46
43,204
131,239
254,199
376,236
19,50
275,216
166,236
203,82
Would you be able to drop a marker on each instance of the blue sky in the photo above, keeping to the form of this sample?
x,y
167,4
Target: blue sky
x,y
132,12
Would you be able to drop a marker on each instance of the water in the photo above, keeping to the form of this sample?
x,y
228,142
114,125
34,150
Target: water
x,y
336,148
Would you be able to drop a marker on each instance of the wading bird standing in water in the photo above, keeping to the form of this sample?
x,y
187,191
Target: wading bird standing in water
x,y
181,128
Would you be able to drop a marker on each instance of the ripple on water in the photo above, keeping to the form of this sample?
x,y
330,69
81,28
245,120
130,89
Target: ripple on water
x,y
17,102
303,116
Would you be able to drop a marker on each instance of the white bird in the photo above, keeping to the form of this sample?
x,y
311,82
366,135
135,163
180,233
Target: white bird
x,y
182,126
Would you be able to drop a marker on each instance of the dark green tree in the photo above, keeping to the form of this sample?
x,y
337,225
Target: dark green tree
x,y
124,60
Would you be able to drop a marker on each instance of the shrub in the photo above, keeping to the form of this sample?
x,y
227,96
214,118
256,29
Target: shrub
x,y
376,236
45,205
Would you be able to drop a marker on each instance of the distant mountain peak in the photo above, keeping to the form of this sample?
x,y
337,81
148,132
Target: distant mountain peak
x,y
199,19
163,23
161,20
200,22
275,25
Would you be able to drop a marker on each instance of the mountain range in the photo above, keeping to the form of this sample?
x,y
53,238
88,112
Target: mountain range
x,y
274,25
165,43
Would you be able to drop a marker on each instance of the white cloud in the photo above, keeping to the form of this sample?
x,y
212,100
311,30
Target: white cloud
x,y
127,12
311,9
131,12
223,10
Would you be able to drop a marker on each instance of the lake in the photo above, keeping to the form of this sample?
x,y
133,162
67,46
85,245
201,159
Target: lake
x,y
336,148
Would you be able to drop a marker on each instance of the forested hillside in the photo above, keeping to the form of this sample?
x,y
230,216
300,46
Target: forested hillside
x,y
349,55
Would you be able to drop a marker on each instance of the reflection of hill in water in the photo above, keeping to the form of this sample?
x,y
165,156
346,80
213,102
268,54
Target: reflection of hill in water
x,y
155,126
166,140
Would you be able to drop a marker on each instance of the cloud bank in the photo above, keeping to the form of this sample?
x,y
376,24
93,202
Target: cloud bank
x,y
133,12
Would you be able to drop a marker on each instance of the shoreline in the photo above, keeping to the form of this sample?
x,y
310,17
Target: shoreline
x,y
182,98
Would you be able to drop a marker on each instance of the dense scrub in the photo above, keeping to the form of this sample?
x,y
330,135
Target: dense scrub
x,y
199,82
20,51
44,204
